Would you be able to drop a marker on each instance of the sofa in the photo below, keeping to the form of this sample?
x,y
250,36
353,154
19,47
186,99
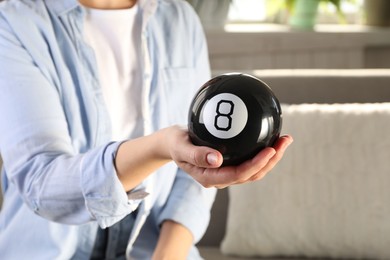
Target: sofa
x,y
301,210
302,215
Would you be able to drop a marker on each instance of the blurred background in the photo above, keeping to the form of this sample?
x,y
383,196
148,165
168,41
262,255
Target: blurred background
x,y
280,34
328,61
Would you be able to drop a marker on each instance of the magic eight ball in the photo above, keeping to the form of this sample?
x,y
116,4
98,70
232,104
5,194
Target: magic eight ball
x,y
237,114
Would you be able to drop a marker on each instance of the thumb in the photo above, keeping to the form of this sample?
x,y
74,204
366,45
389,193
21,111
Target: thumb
x,y
214,159
206,157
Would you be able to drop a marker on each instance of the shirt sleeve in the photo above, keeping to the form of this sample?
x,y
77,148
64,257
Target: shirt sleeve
x,y
40,159
189,203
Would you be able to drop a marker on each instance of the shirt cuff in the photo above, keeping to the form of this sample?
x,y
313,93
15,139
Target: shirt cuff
x,y
191,209
105,197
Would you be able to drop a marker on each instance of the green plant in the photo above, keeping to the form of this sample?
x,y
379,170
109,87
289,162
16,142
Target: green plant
x,y
276,5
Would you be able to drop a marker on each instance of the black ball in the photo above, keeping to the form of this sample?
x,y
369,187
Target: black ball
x,y
237,114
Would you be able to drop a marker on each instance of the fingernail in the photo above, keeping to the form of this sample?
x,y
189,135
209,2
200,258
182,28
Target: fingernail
x,y
212,158
290,141
272,154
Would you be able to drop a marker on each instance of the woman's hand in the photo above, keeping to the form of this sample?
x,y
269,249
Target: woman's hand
x,y
203,163
138,158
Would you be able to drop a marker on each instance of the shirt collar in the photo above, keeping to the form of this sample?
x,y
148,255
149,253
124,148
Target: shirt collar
x,y
61,7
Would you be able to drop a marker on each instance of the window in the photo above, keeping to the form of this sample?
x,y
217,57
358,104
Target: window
x,y
255,11
247,11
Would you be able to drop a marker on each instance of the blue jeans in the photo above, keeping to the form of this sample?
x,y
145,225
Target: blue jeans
x,y
111,243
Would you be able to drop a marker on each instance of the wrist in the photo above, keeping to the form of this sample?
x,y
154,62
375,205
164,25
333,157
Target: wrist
x,y
170,140
163,146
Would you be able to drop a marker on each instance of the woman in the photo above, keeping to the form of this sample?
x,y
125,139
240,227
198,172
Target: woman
x,y
95,164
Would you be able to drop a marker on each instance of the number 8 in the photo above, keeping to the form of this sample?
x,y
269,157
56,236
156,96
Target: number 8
x,y
217,120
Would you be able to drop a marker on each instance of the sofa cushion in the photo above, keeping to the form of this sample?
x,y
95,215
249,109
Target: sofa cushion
x,y
328,197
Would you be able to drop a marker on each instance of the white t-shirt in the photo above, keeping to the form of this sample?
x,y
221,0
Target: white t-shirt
x,y
115,36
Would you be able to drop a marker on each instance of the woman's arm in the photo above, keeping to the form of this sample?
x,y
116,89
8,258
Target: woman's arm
x,y
136,159
174,242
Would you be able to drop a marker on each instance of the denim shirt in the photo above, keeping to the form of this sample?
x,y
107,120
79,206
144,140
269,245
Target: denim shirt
x,y
58,177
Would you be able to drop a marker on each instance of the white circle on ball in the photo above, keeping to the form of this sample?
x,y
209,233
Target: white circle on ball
x,y
225,115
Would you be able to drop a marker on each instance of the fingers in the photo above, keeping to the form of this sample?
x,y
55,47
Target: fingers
x,y
280,147
203,157
214,159
203,164
253,167
183,151
281,141
226,176
263,162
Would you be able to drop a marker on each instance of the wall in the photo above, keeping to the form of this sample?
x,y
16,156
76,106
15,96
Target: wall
x,y
276,47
